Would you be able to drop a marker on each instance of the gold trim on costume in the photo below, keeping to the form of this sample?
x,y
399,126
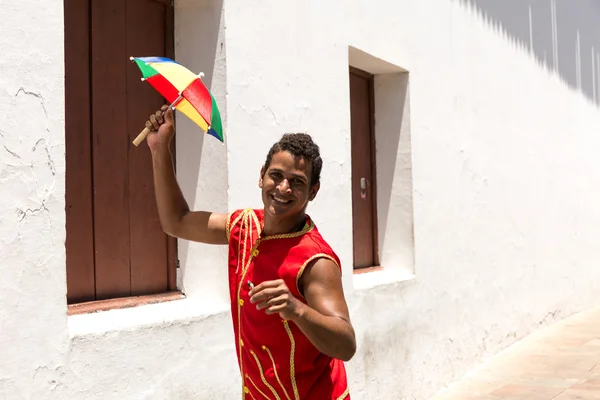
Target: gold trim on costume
x,y
307,228
292,364
301,271
265,348
237,268
344,395
255,218
229,225
262,376
239,307
256,387
246,228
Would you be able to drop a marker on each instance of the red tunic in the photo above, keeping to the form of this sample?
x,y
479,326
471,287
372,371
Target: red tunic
x,y
277,361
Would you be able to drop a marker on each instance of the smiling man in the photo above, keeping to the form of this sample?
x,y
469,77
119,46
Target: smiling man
x,y
290,318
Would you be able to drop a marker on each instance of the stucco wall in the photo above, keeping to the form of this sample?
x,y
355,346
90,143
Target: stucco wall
x,y
33,335
505,190
503,175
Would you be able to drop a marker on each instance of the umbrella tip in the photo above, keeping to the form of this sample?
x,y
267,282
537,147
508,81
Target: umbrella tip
x,y
201,74
143,79
131,58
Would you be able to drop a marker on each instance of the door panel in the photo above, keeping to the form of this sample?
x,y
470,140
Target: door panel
x,y
115,245
110,149
78,192
148,243
362,171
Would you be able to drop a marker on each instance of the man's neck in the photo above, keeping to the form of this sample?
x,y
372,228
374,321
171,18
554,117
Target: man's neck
x,y
278,226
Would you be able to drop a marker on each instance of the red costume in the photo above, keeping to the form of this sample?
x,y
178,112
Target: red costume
x,y
277,361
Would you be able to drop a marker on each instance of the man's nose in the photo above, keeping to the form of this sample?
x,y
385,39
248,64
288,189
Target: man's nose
x,y
284,186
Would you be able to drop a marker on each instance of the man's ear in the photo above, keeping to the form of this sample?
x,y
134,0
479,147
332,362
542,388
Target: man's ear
x,y
314,190
260,178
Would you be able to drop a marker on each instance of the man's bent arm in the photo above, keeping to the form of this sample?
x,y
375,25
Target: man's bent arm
x,y
325,321
174,213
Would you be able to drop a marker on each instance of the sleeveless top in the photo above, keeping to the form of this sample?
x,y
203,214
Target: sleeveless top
x,y
276,360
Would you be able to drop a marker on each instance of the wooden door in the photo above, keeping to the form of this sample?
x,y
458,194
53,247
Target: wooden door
x,y
115,245
363,169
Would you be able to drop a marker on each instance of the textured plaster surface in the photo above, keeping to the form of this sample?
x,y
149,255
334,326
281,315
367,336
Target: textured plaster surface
x,y
504,198
33,336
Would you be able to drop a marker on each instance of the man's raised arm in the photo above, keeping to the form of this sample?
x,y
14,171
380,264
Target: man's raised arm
x,y
175,215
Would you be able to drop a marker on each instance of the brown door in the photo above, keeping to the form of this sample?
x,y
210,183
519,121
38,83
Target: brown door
x,y
115,245
363,182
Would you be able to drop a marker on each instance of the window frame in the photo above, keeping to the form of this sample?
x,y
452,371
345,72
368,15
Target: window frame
x,y
81,264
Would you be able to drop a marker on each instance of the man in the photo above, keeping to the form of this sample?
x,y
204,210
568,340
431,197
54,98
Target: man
x,y
290,317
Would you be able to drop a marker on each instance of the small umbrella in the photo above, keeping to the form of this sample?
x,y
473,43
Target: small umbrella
x,y
184,90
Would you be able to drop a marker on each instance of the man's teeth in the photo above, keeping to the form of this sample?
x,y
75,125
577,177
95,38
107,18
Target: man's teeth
x,y
280,200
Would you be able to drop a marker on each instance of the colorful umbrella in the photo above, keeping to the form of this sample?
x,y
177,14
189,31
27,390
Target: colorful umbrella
x,y
184,90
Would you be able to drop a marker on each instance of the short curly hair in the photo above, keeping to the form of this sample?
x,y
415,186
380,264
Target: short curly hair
x,y
299,145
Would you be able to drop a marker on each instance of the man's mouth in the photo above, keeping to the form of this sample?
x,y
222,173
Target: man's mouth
x,y
280,200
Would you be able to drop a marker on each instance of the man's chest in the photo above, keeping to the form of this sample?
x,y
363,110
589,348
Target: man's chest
x,y
263,263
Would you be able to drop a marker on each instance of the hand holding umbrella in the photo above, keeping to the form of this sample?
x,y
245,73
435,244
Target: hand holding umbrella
x,y
161,127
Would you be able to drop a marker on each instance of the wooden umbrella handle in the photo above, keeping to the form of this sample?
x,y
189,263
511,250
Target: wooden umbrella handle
x,y
140,138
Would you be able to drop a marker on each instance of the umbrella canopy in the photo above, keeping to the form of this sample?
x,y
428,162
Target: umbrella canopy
x,y
184,90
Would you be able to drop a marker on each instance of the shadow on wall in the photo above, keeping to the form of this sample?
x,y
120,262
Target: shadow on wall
x,y
563,35
394,171
199,45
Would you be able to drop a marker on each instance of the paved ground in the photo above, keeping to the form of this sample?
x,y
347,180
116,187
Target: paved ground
x,y
560,362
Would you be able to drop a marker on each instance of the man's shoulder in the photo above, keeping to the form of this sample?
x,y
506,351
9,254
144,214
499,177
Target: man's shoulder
x,y
314,235
319,245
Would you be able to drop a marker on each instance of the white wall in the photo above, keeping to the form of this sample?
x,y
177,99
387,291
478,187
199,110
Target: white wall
x,y
33,338
502,168
504,185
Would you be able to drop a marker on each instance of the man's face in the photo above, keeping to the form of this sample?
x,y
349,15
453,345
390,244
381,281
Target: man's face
x,y
286,186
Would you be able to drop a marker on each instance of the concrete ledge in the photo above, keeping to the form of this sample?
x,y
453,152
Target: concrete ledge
x,y
142,316
368,280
